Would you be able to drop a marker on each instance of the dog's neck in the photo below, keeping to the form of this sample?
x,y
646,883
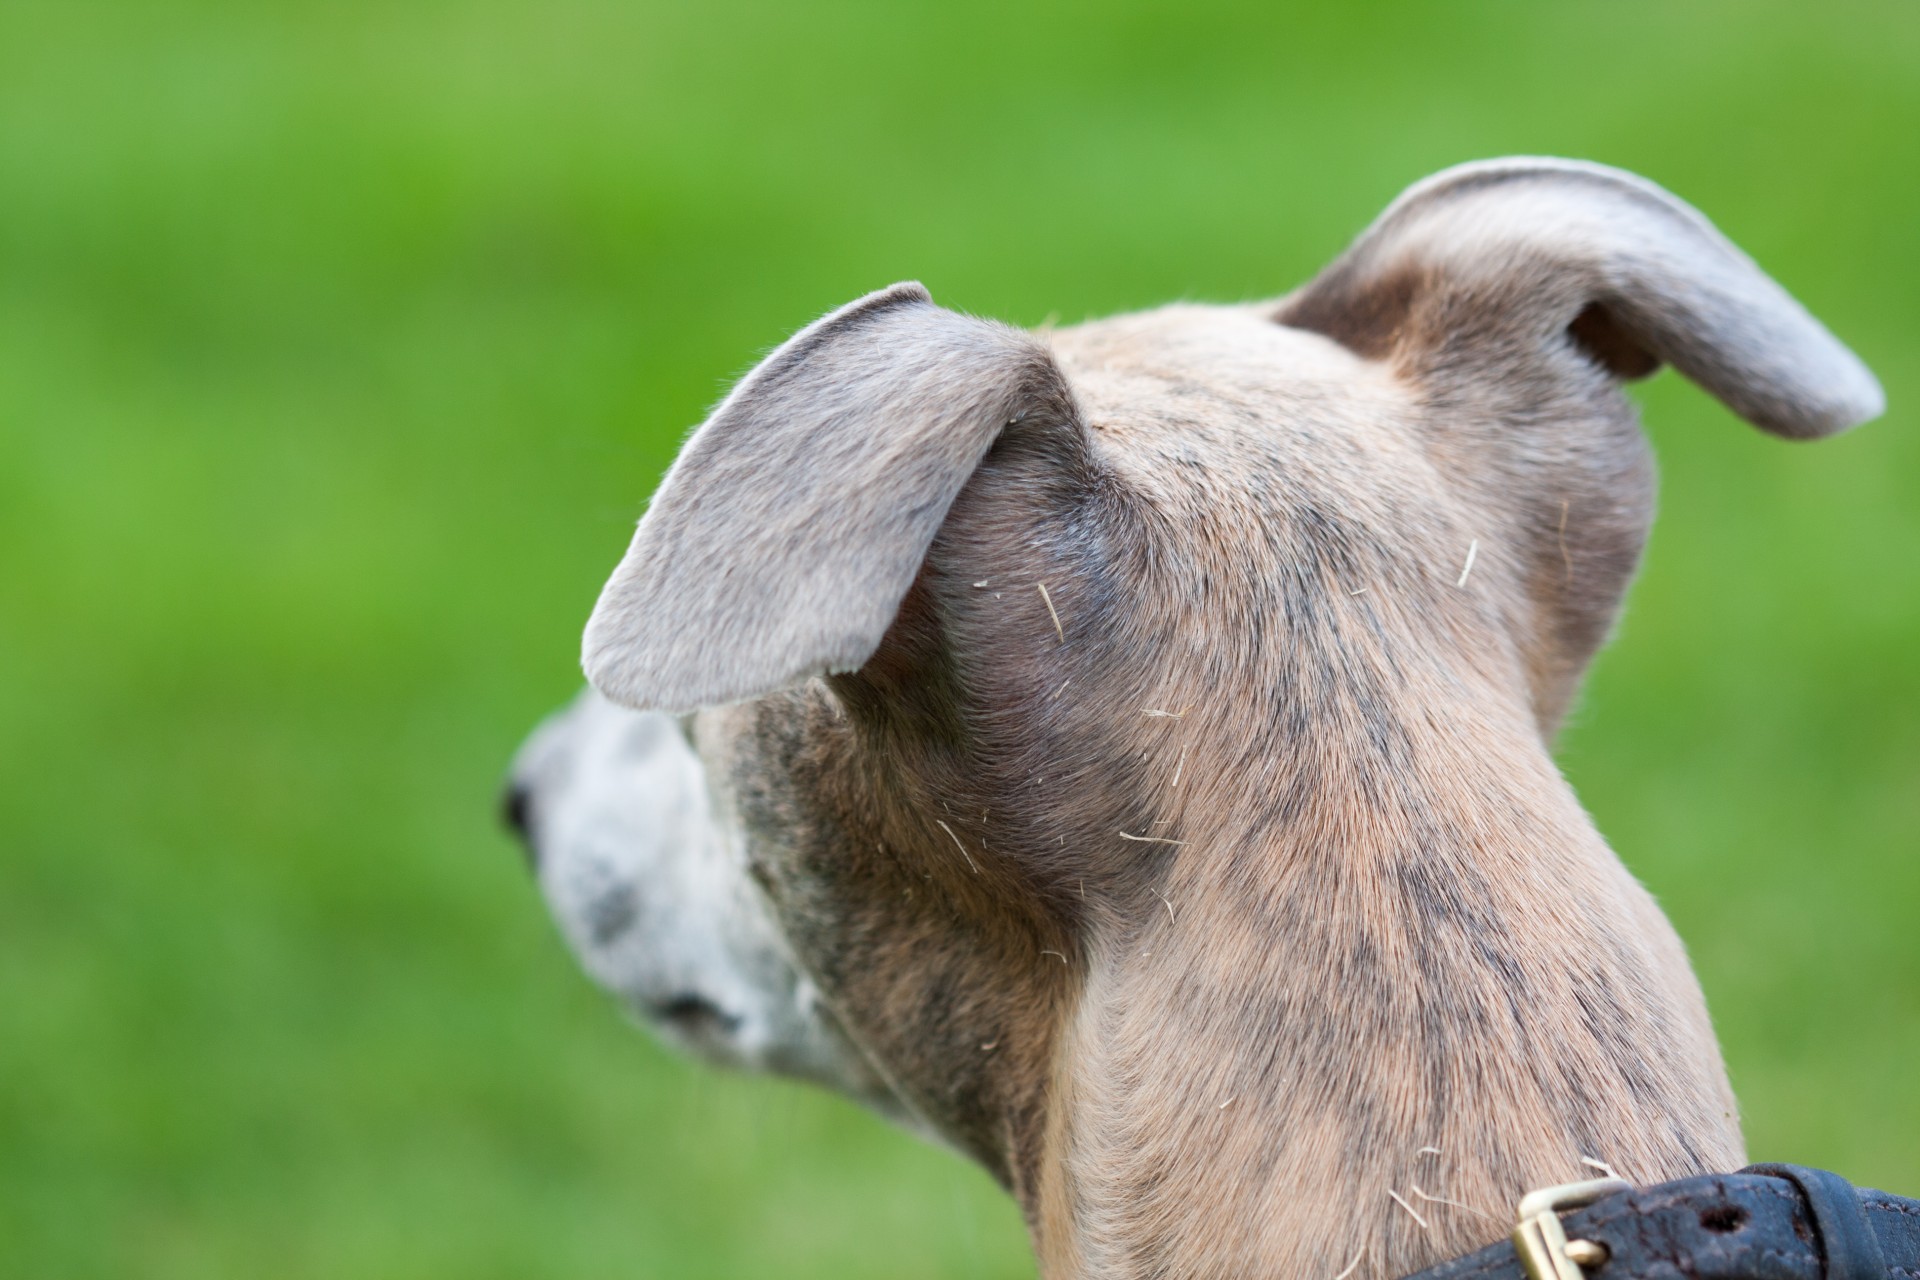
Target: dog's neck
x,y
1383,987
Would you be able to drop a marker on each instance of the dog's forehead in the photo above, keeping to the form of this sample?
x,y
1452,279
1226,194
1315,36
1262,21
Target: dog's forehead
x,y
1227,349
1217,404
1230,377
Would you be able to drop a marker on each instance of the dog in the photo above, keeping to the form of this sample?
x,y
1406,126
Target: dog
x,y
1121,752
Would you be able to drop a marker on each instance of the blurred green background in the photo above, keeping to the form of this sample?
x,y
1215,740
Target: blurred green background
x,y
340,344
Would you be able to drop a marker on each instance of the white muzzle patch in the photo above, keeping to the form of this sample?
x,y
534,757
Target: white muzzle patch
x,y
649,886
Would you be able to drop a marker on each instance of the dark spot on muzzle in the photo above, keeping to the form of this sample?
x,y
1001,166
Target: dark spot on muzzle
x,y
612,913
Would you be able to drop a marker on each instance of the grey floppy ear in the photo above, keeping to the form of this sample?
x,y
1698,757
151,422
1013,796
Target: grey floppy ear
x,y
785,536
1527,267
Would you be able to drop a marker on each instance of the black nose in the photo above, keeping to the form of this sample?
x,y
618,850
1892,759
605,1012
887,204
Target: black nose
x,y
516,805
695,1015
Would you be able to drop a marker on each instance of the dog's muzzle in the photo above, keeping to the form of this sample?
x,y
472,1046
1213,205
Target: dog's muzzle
x,y
648,884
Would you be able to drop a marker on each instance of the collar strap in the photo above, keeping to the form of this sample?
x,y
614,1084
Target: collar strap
x,y
1767,1222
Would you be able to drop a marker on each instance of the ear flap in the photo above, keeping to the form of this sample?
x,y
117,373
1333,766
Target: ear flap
x,y
785,536
1508,268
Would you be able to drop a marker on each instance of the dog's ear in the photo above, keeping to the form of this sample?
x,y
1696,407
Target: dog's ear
x,y
1524,272
783,539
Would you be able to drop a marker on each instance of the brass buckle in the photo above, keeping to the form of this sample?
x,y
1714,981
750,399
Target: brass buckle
x,y
1542,1242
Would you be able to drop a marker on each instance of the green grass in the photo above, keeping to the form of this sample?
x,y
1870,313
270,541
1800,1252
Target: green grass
x,y
340,344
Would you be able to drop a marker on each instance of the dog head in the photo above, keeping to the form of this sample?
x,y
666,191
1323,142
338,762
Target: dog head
x,y
1058,740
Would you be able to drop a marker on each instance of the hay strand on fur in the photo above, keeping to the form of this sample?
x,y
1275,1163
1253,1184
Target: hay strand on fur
x,y
961,847
1052,612
1453,1203
1601,1165
1151,839
1473,549
1424,1226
